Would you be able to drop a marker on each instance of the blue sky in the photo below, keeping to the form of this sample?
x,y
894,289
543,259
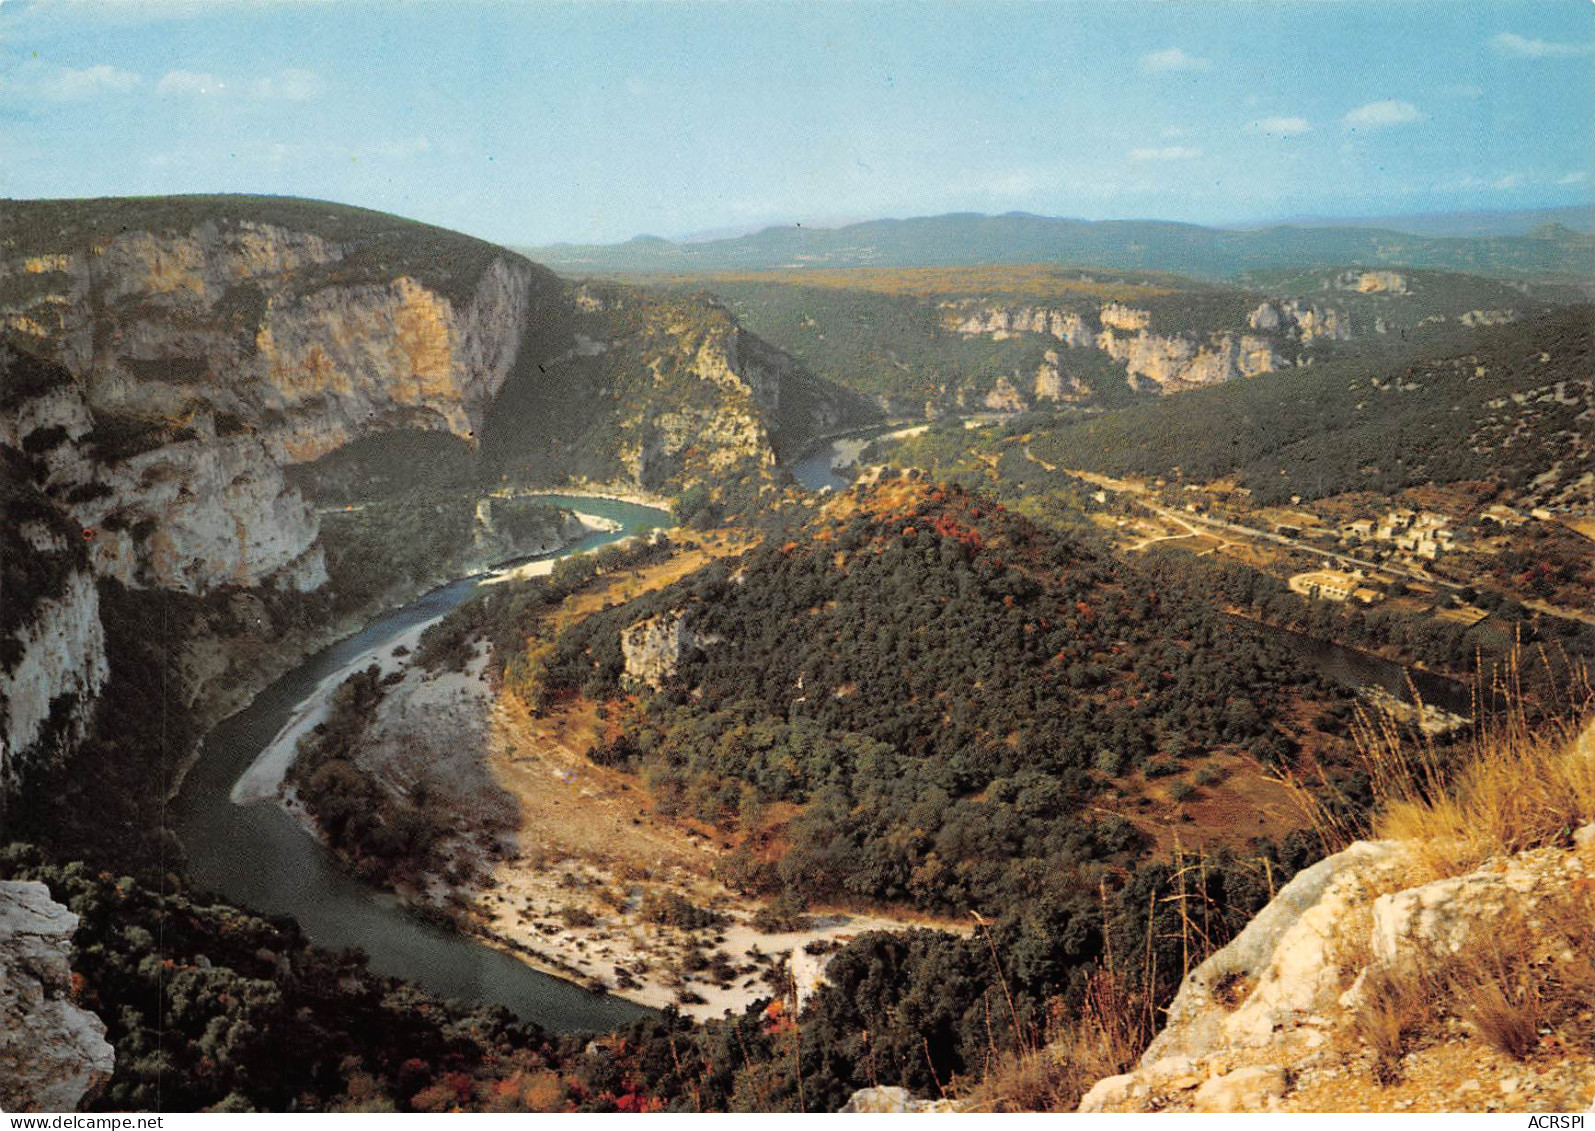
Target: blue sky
x,y
535,122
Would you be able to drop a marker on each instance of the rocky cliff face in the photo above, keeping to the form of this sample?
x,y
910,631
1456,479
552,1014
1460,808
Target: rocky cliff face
x,y
662,391
1306,322
1156,362
188,505
52,646
271,325
1174,363
56,668
1053,384
53,1053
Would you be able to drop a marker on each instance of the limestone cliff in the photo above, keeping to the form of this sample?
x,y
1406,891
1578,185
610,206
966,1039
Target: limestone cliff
x,y
189,504
52,646
1053,384
1168,361
1305,321
1173,363
660,391
308,338
55,669
53,1052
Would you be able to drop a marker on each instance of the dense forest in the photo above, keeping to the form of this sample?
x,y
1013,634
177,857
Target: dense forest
x,y
212,1008
1485,409
994,461
940,685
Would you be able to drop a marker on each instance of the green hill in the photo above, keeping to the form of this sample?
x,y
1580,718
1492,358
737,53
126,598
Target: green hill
x,y
1505,404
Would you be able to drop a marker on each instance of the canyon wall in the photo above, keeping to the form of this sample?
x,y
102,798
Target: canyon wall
x,y
165,363
1159,362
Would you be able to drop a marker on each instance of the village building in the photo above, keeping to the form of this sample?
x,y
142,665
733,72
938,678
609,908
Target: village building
x,y
1335,585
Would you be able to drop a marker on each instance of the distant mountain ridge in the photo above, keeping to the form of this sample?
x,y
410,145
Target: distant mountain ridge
x,y
1513,222
1551,250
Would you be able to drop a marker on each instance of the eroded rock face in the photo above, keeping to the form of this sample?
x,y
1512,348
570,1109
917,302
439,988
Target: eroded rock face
x,y
1004,397
52,645
165,362
1155,362
1173,363
49,691
1303,321
1377,282
257,320
53,1053
1053,384
190,507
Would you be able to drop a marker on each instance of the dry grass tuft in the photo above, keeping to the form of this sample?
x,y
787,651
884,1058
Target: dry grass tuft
x,y
1113,1029
1391,1009
1523,983
1522,780
1528,977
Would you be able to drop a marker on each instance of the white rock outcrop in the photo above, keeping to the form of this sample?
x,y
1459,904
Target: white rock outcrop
x,y
892,1100
1053,384
1159,362
653,647
1275,1011
53,1053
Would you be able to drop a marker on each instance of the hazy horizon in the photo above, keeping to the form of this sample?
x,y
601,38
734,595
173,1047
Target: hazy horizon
x,y
598,122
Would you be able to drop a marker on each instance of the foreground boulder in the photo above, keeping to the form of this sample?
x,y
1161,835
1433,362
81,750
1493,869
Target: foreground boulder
x,y
892,1101
53,1053
1361,987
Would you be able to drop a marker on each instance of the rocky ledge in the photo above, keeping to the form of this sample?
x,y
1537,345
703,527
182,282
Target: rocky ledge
x,y
53,1052
1358,989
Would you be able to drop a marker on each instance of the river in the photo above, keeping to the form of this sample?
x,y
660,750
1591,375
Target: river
x,y
259,857
1359,669
816,470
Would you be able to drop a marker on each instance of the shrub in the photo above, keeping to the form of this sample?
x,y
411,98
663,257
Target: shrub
x,y
574,916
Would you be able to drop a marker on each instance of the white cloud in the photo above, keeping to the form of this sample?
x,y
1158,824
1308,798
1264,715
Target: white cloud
x,y
1280,127
1165,153
1173,59
198,84
1573,178
1378,115
1523,48
292,84
1490,182
68,85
